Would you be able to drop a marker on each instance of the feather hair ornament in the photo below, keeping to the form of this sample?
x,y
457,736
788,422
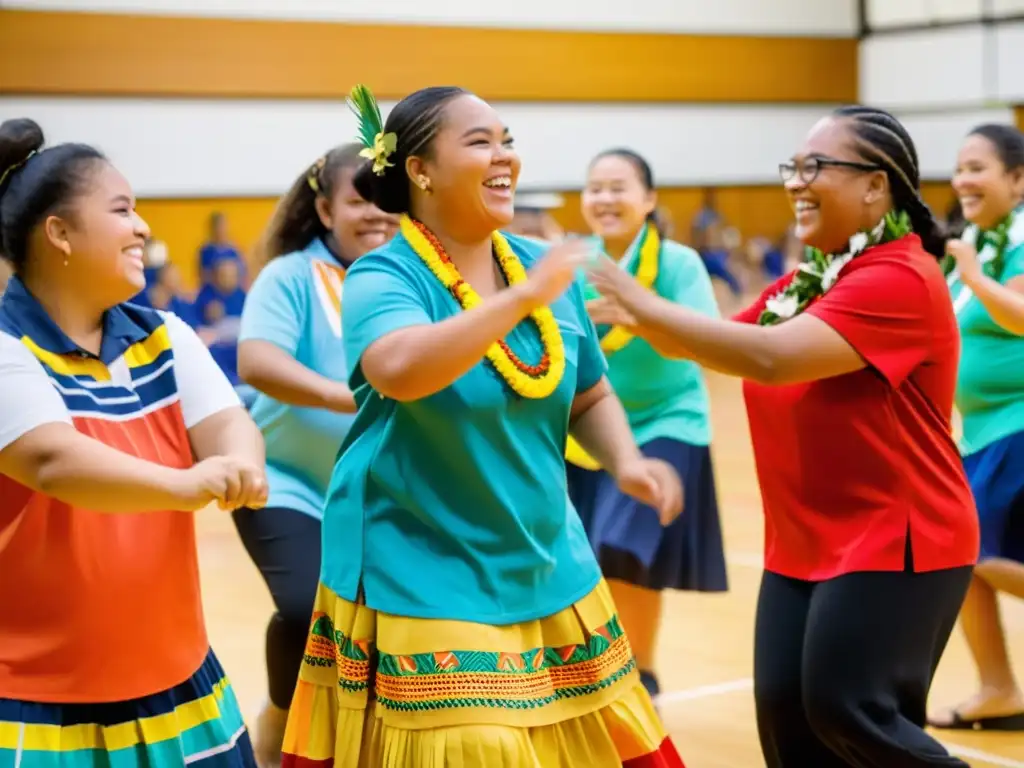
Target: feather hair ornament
x,y
377,145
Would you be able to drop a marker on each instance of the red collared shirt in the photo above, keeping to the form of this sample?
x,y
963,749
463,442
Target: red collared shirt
x,y
849,465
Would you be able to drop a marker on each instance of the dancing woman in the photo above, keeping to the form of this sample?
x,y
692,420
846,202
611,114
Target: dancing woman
x,y
106,408
666,401
871,532
986,276
290,351
461,618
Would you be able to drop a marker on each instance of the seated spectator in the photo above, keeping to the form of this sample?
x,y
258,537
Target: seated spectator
x,y
218,307
718,244
217,248
164,292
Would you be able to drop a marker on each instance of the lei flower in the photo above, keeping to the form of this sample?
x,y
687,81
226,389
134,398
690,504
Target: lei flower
x,y
646,273
617,337
998,237
530,381
820,271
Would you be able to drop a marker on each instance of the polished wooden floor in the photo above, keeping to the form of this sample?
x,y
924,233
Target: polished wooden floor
x,y
705,655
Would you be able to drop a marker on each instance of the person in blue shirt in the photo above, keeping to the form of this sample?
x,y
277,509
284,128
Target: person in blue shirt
x,y
668,408
461,618
218,307
218,248
291,353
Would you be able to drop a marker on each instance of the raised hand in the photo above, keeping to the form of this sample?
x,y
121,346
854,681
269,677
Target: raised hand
x,y
552,275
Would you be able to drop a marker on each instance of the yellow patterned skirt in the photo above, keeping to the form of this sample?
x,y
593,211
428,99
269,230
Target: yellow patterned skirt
x,y
383,691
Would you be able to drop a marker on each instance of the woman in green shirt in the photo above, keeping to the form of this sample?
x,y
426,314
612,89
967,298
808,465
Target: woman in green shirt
x,y
668,409
985,271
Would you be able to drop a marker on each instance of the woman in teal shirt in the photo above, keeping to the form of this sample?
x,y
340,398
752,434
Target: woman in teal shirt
x,y
669,412
985,271
461,617
290,351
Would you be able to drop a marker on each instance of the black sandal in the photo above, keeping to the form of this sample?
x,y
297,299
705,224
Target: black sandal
x,y
998,723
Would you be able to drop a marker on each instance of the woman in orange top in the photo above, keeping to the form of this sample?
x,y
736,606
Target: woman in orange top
x,y
106,408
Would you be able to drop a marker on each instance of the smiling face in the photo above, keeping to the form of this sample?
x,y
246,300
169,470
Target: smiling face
x,y
103,238
358,225
615,202
988,191
471,167
833,193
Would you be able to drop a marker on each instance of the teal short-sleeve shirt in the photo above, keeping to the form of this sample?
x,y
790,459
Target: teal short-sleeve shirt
x,y
990,382
455,506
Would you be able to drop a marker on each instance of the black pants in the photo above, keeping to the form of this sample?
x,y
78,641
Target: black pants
x,y
285,546
842,668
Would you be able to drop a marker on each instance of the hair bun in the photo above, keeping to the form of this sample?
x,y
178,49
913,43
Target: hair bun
x,y
19,138
389,191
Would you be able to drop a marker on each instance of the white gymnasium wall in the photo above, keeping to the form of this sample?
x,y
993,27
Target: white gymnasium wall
x,y
944,65
186,148
733,17
206,148
882,14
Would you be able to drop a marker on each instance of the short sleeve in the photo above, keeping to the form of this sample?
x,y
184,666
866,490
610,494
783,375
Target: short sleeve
x,y
275,309
29,399
1013,263
689,284
378,301
884,311
202,386
591,363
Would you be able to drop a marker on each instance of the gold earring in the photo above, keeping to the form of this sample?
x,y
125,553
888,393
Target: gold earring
x,y
424,183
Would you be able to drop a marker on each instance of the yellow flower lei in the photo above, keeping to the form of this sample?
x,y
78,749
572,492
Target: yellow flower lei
x,y
646,274
531,381
618,337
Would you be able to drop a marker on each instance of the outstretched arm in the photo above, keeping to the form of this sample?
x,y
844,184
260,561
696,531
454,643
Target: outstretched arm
x,y
405,356
878,315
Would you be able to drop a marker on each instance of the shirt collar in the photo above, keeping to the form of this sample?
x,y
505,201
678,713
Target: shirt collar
x,y
319,249
27,315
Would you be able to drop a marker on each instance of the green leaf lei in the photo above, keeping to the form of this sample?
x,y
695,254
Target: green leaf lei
x,y
820,271
998,237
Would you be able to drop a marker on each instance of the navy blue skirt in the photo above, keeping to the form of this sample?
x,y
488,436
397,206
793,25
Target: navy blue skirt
x,y
996,475
630,543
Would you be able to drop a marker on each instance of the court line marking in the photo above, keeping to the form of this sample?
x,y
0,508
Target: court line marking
x,y
755,560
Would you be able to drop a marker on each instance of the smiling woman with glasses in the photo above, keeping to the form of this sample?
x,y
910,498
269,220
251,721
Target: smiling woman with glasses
x,y
851,364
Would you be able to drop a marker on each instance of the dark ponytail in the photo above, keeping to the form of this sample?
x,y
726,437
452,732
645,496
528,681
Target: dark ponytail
x,y
295,222
882,140
415,120
643,172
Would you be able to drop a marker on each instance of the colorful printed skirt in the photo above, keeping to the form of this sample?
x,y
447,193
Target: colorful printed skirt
x,y
197,723
383,691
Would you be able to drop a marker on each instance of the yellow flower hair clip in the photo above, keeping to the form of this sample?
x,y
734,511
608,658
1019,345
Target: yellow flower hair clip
x,y
384,145
378,146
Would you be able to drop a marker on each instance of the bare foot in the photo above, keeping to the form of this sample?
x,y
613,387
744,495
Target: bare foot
x,y
989,702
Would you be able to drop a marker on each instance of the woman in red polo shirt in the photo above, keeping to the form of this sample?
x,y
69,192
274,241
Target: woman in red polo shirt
x,y
870,528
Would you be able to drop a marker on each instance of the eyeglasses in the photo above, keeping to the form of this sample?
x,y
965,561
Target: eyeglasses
x,y
810,167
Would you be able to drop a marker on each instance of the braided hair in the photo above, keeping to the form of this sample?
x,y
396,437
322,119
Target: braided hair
x,y
882,140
